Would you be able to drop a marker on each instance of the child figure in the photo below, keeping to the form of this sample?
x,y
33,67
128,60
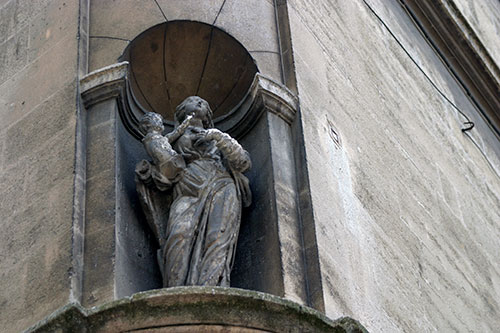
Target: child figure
x,y
165,158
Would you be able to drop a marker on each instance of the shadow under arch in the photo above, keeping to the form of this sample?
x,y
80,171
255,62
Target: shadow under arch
x,y
176,59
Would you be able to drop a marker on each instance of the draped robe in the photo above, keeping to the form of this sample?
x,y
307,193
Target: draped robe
x,y
193,203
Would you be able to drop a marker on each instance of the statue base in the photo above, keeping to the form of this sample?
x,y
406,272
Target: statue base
x,y
195,309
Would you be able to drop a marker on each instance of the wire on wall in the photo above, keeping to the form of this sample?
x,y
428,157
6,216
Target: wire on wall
x,y
468,124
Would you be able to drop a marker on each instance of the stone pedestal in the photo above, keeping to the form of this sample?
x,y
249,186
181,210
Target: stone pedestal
x,y
196,309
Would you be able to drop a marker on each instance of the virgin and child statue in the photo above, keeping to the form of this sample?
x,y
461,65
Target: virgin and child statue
x,y
192,192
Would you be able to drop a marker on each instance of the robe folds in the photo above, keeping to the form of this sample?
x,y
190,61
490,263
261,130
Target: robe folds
x,y
193,204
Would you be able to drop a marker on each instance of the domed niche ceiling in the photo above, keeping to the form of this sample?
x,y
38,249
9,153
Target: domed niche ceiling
x,y
177,59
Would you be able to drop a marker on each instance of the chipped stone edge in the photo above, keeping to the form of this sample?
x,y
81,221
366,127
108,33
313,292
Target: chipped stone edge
x,y
103,84
74,316
103,75
278,98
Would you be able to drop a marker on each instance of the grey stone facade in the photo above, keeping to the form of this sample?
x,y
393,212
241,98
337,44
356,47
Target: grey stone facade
x,y
407,239
369,200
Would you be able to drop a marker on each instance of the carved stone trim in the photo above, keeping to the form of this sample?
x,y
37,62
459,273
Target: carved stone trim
x,y
199,308
460,48
104,83
263,95
277,98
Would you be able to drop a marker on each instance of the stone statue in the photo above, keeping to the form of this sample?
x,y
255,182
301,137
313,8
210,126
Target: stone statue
x,y
192,193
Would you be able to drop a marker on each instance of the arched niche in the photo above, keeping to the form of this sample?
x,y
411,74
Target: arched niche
x,y
176,59
159,68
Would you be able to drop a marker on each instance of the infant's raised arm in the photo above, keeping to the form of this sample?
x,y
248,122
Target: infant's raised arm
x,y
179,130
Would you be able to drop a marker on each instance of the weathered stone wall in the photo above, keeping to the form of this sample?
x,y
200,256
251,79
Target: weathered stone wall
x,y
38,67
406,209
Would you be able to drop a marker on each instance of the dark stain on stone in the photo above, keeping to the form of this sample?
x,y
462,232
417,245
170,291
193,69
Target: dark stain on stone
x,y
154,47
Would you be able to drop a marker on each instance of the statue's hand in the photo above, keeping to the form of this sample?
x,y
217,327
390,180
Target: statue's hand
x,y
205,136
179,130
214,134
185,124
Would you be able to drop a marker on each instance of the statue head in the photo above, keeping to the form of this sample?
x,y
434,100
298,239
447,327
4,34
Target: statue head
x,y
197,107
151,121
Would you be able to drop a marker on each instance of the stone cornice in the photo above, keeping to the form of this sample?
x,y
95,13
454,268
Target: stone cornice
x,y
198,308
277,98
462,51
102,84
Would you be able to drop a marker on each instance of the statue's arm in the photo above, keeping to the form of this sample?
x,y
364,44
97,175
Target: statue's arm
x,y
232,151
179,130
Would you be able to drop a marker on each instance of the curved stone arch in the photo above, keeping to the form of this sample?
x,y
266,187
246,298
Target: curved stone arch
x,y
173,60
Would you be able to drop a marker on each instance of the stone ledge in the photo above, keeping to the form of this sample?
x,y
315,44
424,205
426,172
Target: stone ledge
x,y
207,309
102,84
